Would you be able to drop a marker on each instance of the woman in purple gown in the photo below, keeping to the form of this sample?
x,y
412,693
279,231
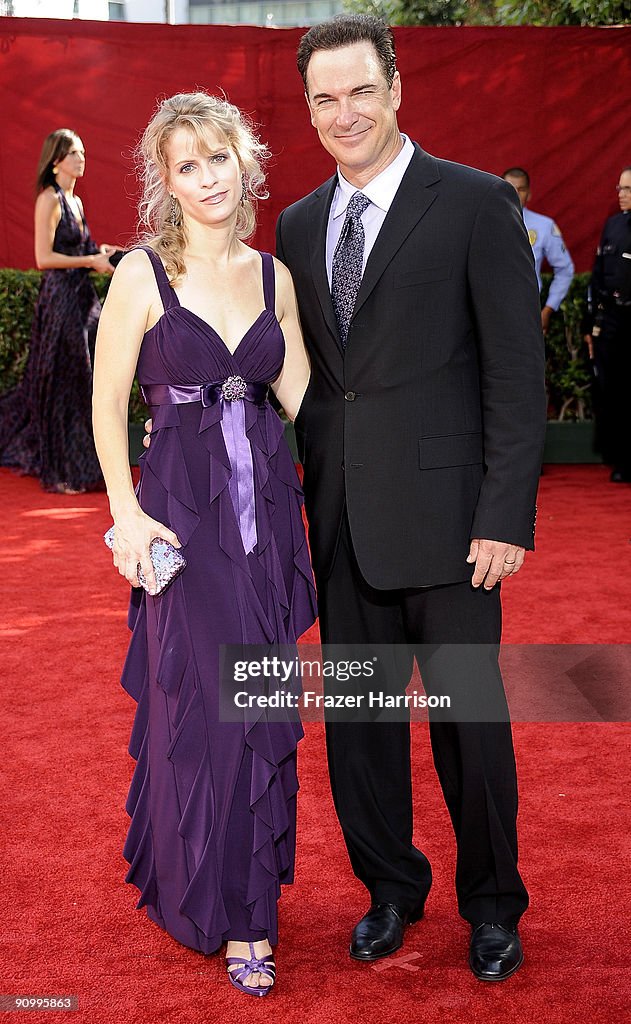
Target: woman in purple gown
x,y
45,422
208,323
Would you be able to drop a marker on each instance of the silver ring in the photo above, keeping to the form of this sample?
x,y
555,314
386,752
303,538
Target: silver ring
x,y
506,562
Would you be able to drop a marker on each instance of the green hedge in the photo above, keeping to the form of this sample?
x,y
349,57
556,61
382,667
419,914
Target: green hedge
x,y
567,370
18,292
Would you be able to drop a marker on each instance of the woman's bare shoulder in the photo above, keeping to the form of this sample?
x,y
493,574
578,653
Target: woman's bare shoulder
x,y
135,266
133,281
284,280
47,198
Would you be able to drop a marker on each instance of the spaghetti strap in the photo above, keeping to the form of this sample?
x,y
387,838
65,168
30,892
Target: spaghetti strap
x,y
167,293
269,281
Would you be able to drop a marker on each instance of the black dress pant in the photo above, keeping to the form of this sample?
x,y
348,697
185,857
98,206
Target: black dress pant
x,y
369,761
612,361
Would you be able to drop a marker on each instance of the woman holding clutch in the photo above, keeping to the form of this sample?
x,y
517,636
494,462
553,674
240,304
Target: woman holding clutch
x,y
208,324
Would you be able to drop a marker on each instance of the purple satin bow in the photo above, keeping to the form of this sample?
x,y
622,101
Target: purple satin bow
x,y
231,394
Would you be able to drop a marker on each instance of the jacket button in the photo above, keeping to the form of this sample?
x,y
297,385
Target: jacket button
x,y
350,396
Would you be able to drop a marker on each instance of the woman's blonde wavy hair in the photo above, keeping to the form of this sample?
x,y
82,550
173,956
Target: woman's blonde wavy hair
x,y
196,111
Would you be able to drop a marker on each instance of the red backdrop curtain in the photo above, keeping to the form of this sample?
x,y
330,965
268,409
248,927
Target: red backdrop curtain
x,y
555,101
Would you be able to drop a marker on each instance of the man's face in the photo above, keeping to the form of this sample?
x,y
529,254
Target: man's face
x,y
624,190
352,108
521,187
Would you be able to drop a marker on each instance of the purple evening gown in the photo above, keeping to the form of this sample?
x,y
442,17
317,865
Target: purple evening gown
x,y
46,421
212,803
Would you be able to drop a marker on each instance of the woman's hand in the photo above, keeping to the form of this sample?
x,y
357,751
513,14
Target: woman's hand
x,y
147,438
100,262
106,249
132,537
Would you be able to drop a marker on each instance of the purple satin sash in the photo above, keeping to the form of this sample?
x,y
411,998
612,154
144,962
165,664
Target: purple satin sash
x,y
230,394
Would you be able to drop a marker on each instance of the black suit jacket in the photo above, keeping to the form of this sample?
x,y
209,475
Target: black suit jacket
x,y
430,426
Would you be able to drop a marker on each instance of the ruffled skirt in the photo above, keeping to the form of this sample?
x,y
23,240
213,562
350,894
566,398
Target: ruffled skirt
x,y
186,822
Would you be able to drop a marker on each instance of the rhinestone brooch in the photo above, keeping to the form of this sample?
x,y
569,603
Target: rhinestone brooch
x,y
234,389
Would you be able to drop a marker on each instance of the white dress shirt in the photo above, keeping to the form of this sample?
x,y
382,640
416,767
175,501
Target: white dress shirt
x,y
381,192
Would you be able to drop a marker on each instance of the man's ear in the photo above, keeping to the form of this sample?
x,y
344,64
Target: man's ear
x,y
395,90
310,110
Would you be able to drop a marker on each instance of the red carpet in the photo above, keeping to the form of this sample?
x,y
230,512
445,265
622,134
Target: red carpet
x,y
68,921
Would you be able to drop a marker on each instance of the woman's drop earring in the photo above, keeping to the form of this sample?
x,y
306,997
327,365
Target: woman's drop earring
x,y
173,211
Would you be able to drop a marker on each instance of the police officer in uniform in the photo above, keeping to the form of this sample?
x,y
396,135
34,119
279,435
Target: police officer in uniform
x,y
610,334
547,243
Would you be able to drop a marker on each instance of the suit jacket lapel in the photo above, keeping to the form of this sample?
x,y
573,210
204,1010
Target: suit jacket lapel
x,y
411,202
318,222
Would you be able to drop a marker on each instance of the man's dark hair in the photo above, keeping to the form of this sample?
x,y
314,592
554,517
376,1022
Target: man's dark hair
x,y
517,172
344,30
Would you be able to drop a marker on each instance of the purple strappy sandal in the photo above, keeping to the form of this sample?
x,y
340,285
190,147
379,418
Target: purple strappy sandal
x,y
238,974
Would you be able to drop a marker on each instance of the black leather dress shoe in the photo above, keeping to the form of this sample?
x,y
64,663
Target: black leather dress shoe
x,y
495,952
380,931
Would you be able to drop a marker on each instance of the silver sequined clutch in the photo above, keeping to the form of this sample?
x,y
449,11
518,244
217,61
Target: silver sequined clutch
x,y
167,561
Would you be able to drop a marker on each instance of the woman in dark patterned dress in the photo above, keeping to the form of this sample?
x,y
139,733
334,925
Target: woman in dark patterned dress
x,y
45,422
209,324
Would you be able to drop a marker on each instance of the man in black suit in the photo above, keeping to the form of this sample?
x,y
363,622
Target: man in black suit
x,y
421,436
609,339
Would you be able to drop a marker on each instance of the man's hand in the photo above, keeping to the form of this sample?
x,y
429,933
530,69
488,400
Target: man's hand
x,y
147,438
494,560
546,314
